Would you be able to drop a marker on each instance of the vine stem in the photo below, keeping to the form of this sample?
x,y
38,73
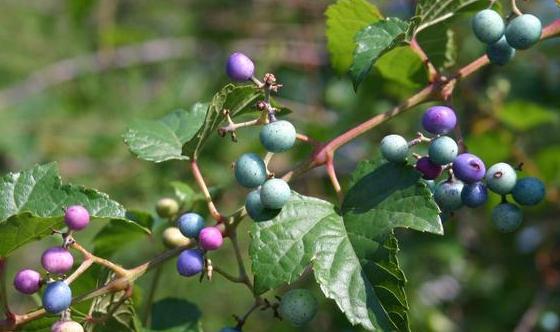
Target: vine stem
x,y
243,276
433,73
119,270
202,185
334,180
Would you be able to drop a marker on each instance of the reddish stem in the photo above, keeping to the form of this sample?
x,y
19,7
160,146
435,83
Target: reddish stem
x,y
202,185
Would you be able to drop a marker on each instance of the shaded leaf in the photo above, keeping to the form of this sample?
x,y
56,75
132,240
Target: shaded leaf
x,y
175,315
403,66
432,12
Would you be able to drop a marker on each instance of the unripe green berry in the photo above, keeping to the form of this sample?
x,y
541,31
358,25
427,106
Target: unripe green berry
x,y
298,306
275,193
443,150
250,170
394,148
501,178
278,136
173,238
167,207
507,217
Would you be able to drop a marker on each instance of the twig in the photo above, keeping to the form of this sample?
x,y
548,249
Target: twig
x,y
202,185
241,320
120,271
239,258
81,269
433,73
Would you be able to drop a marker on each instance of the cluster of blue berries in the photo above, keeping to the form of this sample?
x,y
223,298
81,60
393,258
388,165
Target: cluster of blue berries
x,y
56,261
503,40
468,181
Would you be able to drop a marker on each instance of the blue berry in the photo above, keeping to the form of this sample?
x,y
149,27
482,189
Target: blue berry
x,y
394,148
255,208
523,31
250,170
528,191
275,193
278,136
190,224
448,195
468,168
488,26
57,297
507,217
439,120
500,52
501,178
190,262
298,306
239,67
474,194
443,150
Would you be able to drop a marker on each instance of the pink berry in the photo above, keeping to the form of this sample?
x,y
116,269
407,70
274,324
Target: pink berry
x,y
57,260
210,238
27,281
67,326
76,217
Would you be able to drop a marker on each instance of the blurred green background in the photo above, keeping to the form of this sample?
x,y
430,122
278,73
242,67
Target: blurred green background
x,y
74,73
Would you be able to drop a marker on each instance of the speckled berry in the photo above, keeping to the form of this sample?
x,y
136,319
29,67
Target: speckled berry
x,y
501,178
474,194
523,31
173,238
507,217
210,238
443,150
57,297
468,168
191,224
67,326
167,207
57,260
190,262
239,67
448,195
76,217
500,52
255,208
394,148
275,193
250,170
278,136
439,120
429,170
488,26
27,281
298,306
528,191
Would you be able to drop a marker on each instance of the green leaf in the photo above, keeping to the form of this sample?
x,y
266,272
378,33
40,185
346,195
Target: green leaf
x,y
523,115
163,139
403,66
117,231
432,12
33,202
374,41
175,315
116,317
438,42
42,324
344,19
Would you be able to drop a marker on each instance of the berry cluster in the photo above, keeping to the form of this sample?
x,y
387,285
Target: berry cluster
x,y
503,40
468,181
56,261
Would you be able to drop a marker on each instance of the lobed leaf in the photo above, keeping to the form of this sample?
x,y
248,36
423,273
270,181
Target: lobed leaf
x,y
432,12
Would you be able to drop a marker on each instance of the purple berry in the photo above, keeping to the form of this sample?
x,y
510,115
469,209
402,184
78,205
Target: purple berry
x,y
439,120
468,168
428,169
27,281
57,260
76,217
190,262
210,238
239,67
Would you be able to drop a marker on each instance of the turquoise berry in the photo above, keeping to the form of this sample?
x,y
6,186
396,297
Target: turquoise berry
x,y
57,297
523,31
488,26
190,224
298,306
507,217
448,195
500,52
394,148
255,208
501,178
250,170
278,136
443,150
528,191
275,193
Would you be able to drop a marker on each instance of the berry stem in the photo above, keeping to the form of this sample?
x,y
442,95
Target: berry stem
x,y
202,185
243,276
257,304
227,275
119,271
81,269
334,180
515,9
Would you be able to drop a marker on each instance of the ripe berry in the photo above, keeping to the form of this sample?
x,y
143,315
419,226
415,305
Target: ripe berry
x,y
67,326
278,136
210,238
275,193
250,170
255,208
528,191
501,178
57,297
468,168
173,238
27,281
443,150
428,169
523,31
190,224
190,262
488,26
57,260
507,217
167,207
474,194
448,195
76,217
298,306
239,67
439,120
500,52
394,148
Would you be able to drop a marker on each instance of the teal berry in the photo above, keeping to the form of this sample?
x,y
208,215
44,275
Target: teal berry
x,y
57,297
500,52
488,26
501,178
298,306
443,150
528,191
278,136
190,224
250,170
275,193
448,195
523,31
394,148
507,217
255,208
